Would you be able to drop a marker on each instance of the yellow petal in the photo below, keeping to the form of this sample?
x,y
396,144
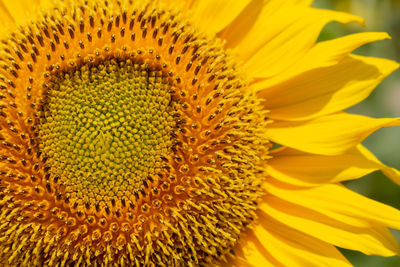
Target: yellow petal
x,y
15,9
322,54
326,90
391,173
250,252
304,169
371,241
289,2
299,2
339,203
15,12
212,16
20,9
328,135
238,28
294,248
183,5
45,3
257,10
6,19
331,52
292,31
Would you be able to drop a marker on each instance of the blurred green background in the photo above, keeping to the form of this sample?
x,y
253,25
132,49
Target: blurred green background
x,y
380,15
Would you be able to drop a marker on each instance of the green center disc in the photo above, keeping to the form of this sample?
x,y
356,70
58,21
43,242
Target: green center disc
x,y
105,127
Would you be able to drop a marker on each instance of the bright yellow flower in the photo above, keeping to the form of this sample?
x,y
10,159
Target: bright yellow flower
x,y
185,133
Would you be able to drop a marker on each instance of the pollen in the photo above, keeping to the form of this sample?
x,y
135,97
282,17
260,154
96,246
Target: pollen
x,y
127,138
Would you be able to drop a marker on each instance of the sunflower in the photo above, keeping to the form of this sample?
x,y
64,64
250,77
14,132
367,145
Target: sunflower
x,y
185,133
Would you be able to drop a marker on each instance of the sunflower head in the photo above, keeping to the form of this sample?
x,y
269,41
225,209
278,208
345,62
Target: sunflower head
x,y
136,133
131,139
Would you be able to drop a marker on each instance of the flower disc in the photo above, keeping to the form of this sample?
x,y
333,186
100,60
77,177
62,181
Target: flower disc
x,y
128,138
106,128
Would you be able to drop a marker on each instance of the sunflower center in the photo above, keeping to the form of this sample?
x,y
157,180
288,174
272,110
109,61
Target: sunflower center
x,y
105,127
